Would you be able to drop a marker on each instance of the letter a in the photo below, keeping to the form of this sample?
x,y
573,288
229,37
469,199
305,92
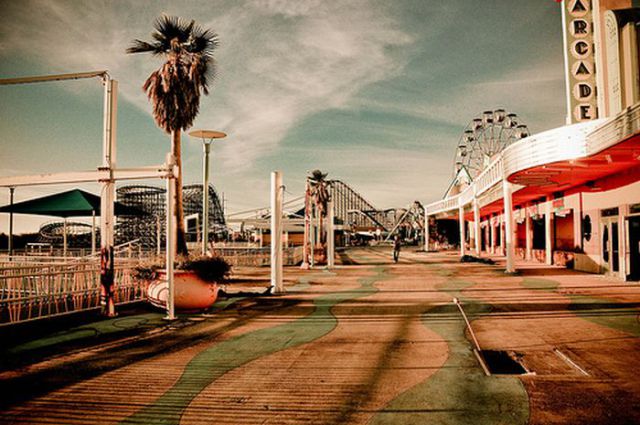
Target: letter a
x,y
578,7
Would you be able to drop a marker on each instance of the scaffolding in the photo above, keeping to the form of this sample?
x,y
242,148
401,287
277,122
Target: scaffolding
x,y
151,199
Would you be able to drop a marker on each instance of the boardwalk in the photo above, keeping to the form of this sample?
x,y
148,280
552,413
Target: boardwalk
x,y
370,342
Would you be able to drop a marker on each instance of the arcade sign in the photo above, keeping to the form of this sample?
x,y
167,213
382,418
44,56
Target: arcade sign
x,y
579,56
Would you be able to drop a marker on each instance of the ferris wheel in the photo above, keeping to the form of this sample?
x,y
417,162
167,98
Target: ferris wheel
x,y
486,136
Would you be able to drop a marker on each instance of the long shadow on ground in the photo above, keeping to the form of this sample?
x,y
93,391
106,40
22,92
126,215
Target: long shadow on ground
x,y
460,392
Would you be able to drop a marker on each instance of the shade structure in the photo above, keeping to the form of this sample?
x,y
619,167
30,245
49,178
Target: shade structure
x,y
72,203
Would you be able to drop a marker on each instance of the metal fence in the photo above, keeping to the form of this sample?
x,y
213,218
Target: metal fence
x,y
35,290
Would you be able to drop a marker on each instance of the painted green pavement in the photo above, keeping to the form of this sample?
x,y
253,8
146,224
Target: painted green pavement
x,y
224,356
601,311
459,392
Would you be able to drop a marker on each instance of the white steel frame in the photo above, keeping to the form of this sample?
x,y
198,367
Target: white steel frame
x,y
106,174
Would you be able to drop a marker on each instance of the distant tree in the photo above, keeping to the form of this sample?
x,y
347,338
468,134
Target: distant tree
x,y
176,87
319,191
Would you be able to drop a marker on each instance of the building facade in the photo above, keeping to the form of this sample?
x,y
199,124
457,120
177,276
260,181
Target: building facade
x,y
570,195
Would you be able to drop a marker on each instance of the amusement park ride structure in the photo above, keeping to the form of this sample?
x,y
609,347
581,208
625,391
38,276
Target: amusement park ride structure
x,y
107,174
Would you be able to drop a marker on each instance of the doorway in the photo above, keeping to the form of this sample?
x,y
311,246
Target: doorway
x,y
634,248
610,245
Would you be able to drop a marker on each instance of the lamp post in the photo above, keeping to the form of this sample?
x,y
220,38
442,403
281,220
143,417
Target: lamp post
x,y
10,242
207,137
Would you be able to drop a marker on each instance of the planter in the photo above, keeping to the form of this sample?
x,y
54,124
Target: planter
x,y
191,292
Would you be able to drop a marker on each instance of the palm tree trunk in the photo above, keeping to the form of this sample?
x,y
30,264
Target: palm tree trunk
x,y
176,149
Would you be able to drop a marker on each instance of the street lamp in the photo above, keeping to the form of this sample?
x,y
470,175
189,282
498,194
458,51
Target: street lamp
x,y
207,137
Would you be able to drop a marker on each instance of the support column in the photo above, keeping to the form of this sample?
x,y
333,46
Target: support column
x,y
276,233
476,225
492,235
205,198
622,241
312,238
426,231
528,230
306,263
107,197
170,242
10,241
508,226
548,234
331,245
64,237
93,233
463,235
503,251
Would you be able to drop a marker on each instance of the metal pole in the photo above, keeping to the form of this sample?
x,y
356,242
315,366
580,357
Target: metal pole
x,y
463,236
331,248
312,237
426,230
11,192
276,233
64,237
508,226
476,226
528,234
307,229
158,236
108,194
548,247
205,197
93,232
170,241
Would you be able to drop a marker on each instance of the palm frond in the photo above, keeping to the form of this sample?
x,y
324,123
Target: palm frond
x,y
176,87
139,46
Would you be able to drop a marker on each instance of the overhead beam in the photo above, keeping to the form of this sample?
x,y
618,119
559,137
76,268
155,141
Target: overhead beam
x,y
57,77
159,171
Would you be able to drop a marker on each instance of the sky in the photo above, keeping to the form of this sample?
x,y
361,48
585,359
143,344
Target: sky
x,y
375,93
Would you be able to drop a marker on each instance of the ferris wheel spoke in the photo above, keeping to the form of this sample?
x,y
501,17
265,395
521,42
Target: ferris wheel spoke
x,y
481,141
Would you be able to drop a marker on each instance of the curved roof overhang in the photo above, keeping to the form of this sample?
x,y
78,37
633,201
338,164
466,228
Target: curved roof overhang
x,y
589,157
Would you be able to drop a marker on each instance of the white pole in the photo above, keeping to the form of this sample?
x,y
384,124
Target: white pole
x,y
276,233
548,222
508,226
528,234
476,226
93,232
463,235
10,241
64,237
158,236
426,231
331,245
107,195
170,241
312,238
205,197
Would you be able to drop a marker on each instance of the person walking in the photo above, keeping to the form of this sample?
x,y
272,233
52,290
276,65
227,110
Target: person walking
x,y
396,248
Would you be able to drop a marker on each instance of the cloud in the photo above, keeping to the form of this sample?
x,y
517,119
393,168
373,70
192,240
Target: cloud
x,y
279,61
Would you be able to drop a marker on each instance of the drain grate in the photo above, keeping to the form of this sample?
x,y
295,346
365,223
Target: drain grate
x,y
502,363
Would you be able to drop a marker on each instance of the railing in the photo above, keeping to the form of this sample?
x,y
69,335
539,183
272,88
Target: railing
x,y
560,144
33,291
258,257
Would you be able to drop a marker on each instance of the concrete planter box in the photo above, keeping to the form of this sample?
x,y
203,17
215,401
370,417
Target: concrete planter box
x,y
585,263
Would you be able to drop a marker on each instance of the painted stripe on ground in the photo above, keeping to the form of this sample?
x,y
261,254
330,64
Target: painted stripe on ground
x,y
222,357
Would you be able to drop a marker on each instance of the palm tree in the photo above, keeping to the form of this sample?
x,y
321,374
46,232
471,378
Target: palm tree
x,y
175,88
319,192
